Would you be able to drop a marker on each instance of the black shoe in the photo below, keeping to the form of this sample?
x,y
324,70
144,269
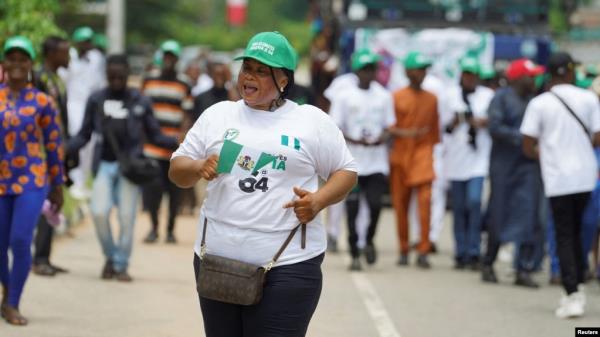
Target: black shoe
x,y
422,262
433,248
370,253
524,280
108,272
171,238
58,269
43,269
488,274
123,276
460,264
474,264
355,265
403,260
151,237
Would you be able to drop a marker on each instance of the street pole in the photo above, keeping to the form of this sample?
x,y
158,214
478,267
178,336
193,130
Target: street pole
x,y
115,26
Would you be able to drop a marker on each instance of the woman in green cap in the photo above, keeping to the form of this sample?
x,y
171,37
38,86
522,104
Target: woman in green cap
x,y
31,169
263,156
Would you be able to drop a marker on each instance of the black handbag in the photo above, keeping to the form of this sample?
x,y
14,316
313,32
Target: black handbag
x,y
232,281
139,170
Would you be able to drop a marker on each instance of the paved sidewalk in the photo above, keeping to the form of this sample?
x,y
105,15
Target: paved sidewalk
x,y
382,301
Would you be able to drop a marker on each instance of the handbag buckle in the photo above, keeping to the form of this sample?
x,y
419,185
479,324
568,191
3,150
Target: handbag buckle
x,y
269,266
202,251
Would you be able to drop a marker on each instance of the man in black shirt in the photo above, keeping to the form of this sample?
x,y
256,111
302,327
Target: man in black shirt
x,y
125,114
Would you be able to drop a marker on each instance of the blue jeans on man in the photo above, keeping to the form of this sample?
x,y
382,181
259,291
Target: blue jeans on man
x,y
466,208
111,189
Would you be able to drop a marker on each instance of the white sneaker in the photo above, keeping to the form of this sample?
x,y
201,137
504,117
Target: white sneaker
x,y
571,306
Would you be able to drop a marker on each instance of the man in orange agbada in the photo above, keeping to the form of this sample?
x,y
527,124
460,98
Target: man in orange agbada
x,y
411,158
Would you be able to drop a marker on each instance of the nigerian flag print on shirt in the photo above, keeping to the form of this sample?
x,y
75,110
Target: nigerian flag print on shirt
x,y
263,155
241,160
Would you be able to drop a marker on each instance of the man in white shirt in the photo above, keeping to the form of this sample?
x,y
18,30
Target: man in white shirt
x,y
86,74
561,127
466,159
363,113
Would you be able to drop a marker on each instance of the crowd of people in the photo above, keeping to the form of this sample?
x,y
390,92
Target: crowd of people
x,y
71,117
533,138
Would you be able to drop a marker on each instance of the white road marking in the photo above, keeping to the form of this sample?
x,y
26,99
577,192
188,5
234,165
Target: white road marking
x,y
384,324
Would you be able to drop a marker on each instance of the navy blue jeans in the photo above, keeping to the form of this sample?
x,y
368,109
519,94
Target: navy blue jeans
x,y
18,216
466,208
290,297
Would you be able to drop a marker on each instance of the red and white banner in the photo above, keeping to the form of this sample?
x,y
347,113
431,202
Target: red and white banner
x,y
236,12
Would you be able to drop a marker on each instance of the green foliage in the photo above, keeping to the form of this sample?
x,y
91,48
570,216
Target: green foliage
x,y
203,22
34,19
557,18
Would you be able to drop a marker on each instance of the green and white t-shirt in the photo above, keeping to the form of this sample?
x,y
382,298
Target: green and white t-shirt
x,y
263,155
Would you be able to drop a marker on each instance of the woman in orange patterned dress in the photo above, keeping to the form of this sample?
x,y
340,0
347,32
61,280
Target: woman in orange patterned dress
x,y
30,169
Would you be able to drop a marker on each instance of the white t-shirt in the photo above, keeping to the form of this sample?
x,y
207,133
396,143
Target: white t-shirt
x,y
462,161
365,114
246,218
566,154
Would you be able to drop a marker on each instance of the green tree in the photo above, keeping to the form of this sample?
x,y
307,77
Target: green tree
x,y
35,19
203,22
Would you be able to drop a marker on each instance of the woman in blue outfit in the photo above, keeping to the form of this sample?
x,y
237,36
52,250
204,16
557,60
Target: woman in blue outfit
x,y
31,169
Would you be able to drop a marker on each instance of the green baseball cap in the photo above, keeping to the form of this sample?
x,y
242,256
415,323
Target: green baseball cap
x,y
272,49
582,81
469,65
171,46
416,60
83,34
487,73
100,41
19,42
362,58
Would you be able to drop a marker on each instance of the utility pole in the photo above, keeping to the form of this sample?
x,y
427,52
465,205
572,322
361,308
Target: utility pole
x,y
115,26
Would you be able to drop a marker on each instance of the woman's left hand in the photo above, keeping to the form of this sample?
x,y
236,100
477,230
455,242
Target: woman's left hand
x,y
56,198
307,207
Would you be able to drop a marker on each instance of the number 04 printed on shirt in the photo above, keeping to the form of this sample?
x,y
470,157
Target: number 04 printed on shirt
x,y
242,161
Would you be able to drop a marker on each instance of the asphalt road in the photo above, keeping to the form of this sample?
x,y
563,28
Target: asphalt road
x,y
382,301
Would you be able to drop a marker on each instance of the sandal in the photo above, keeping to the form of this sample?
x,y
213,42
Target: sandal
x,y
12,316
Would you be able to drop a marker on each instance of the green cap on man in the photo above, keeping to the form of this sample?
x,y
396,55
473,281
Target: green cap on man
x,y
83,34
21,43
469,65
171,46
487,73
362,58
416,60
272,49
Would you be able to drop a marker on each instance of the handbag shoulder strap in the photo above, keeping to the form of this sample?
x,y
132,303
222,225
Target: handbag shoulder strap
x,y
572,113
279,252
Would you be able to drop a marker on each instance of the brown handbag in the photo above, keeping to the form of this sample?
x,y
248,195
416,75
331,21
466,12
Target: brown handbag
x,y
232,281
